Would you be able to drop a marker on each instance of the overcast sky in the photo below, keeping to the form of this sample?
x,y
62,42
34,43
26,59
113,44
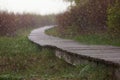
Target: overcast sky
x,y
34,6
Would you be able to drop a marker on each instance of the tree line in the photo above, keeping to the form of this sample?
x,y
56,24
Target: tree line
x,y
10,23
90,16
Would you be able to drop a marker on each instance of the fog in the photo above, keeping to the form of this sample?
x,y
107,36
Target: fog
x,y
34,6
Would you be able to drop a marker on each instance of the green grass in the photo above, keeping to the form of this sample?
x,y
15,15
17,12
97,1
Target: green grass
x,y
97,40
91,39
21,59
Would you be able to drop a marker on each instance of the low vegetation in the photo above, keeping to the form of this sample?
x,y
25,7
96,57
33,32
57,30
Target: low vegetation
x,y
89,39
11,22
21,59
95,22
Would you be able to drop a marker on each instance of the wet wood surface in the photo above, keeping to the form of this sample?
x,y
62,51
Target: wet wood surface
x,y
108,54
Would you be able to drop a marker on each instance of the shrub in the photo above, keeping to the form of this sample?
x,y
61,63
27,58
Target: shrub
x,y
7,26
114,19
89,17
10,23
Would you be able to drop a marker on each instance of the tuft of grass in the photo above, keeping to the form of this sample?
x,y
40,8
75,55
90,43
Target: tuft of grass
x,y
89,39
21,59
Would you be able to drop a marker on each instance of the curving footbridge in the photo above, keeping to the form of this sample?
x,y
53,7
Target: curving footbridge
x,y
74,52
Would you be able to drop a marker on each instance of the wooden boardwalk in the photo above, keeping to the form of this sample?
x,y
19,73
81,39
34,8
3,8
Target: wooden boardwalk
x,y
107,54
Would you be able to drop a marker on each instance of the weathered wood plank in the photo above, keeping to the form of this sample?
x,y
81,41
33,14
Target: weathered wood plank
x,y
105,53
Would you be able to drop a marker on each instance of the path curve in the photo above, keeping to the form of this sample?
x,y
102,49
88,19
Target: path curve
x,y
107,54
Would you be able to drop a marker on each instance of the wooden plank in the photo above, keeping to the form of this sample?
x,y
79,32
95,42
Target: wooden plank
x,y
99,52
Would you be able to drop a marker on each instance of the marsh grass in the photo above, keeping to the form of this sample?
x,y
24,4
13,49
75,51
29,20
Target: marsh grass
x,y
89,39
20,59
